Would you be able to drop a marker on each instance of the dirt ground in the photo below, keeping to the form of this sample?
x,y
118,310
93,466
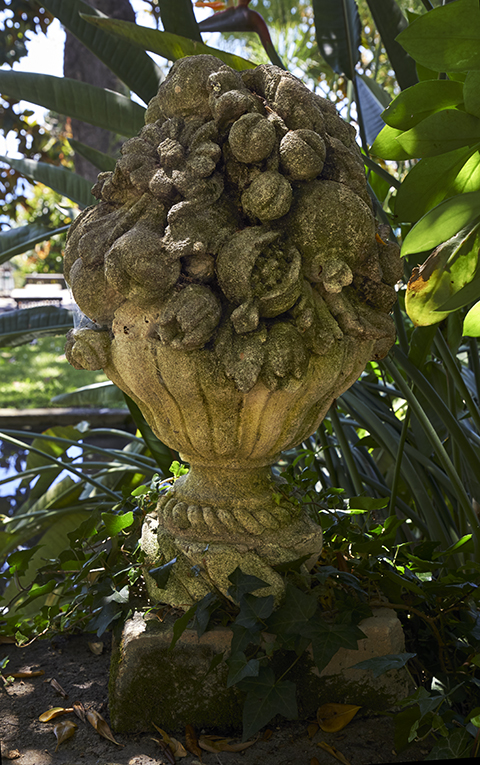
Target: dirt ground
x,y
84,676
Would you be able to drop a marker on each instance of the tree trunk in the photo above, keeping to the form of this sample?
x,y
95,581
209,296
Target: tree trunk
x,y
80,64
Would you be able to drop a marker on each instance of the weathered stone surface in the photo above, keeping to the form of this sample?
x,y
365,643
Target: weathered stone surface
x,y
150,684
237,275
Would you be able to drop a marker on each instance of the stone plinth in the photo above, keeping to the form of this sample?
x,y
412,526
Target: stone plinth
x,y
149,684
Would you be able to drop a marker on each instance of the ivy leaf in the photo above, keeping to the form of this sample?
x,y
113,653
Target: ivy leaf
x,y
243,637
456,747
208,605
380,664
243,583
297,609
115,523
161,574
328,638
239,668
265,699
254,610
181,624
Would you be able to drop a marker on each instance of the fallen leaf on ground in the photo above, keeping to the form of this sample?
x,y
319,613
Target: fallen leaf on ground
x,y
314,761
219,744
13,754
165,749
8,639
64,730
79,710
334,717
312,729
96,648
267,734
27,673
100,725
58,688
178,750
50,714
334,752
191,741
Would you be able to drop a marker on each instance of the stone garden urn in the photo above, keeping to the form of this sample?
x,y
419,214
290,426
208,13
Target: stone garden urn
x,y
237,283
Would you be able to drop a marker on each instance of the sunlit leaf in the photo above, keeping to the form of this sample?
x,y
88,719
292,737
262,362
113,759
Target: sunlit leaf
x,y
19,327
170,46
103,162
114,523
442,223
446,39
50,714
415,104
63,731
333,717
444,131
471,324
100,725
61,180
387,146
14,241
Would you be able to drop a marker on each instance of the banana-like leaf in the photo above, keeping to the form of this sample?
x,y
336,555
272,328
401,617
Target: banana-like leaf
x,y
471,325
178,18
170,46
133,67
387,146
446,39
371,107
436,178
14,241
444,131
19,327
425,98
445,272
103,394
97,106
338,31
103,162
390,21
59,179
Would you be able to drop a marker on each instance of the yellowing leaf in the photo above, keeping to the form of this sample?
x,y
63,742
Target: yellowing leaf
x,y
50,714
96,648
312,729
27,673
334,717
64,730
100,725
334,752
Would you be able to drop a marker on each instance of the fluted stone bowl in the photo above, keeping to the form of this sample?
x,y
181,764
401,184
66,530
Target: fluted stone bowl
x,y
236,283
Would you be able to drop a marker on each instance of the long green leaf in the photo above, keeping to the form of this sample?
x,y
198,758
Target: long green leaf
x,y
63,181
338,31
19,327
133,67
103,394
415,104
444,131
387,145
170,46
434,179
97,106
103,162
447,39
390,21
371,107
178,18
443,222
14,241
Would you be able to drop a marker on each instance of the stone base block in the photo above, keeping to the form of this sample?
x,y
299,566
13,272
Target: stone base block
x,y
150,684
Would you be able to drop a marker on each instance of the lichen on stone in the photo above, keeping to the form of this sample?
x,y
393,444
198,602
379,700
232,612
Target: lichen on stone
x,y
242,200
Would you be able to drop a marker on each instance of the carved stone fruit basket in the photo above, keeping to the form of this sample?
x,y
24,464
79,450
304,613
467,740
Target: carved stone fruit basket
x,y
237,284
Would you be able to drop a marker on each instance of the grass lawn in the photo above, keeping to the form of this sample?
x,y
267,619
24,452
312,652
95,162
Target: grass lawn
x,y
30,375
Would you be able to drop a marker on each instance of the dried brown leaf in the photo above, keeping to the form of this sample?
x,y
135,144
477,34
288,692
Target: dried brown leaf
x,y
191,741
58,688
64,730
79,710
177,748
50,714
334,717
27,673
219,744
96,648
312,729
165,749
267,734
13,754
314,761
334,752
100,725
8,639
